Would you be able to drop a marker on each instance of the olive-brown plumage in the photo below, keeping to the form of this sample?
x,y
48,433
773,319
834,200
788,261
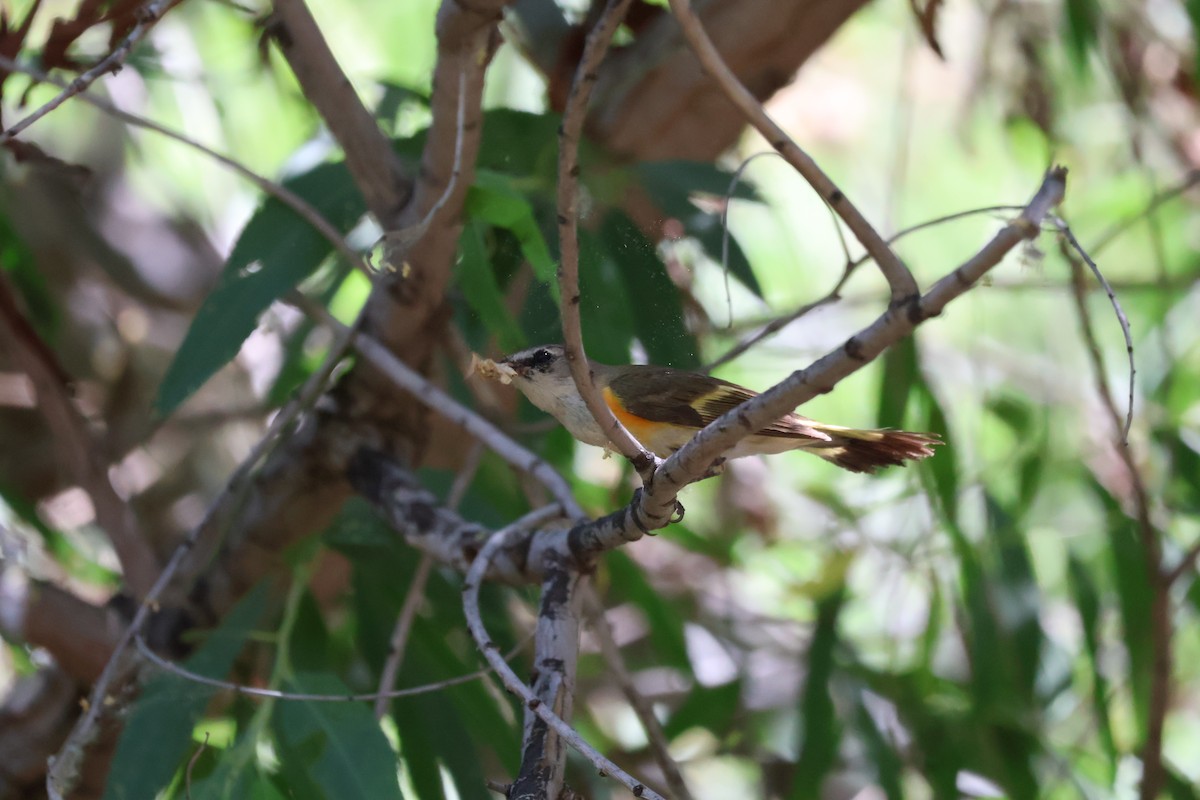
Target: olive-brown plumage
x,y
665,407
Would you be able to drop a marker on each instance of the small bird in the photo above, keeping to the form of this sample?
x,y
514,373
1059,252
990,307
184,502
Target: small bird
x,y
664,408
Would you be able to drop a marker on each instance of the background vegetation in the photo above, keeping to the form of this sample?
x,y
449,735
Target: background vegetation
x,y
1016,617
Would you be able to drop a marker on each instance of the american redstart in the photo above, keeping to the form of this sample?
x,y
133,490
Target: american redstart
x,y
663,408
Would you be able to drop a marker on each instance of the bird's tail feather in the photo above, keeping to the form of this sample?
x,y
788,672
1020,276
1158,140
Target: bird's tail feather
x,y
869,450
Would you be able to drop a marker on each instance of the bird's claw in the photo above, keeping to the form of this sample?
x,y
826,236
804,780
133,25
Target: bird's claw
x,y
636,511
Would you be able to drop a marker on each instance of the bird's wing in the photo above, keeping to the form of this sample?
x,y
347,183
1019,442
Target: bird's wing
x,y
691,399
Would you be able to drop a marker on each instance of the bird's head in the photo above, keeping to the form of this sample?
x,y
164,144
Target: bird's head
x,y
543,374
546,361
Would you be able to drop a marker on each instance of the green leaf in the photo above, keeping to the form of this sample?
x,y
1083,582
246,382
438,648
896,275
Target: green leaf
x,y
900,374
712,707
1082,19
605,310
235,776
940,473
158,732
276,251
1128,563
477,280
671,186
820,731
1179,787
1016,600
339,747
494,200
18,262
520,143
439,647
707,230
657,309
889,769
1087,601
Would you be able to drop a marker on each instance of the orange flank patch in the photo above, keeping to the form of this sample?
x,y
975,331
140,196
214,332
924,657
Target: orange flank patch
x,y
661,437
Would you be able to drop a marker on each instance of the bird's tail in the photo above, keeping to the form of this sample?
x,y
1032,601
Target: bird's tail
x,y
869,450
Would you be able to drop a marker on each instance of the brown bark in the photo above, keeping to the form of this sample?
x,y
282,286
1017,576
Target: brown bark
x,y
653,100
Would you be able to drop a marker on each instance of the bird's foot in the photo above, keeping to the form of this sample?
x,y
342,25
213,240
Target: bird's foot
x,y
636,510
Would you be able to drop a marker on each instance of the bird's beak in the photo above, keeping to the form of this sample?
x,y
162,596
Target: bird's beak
x,y
513,368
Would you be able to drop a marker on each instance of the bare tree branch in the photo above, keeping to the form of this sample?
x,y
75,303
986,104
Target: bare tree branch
x,y
475,577
556,655
376,169
79,454
78,634
570,131
899,278
147,15
1154,774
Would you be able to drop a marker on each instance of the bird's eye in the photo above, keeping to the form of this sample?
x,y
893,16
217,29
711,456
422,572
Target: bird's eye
x,y
541,357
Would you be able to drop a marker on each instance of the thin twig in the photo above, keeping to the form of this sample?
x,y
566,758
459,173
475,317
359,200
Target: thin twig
x,y
64,767
1065,230
509,678
275,694
835,294
1153,772
286,196
568,237
442,403
655,734
399,242
187,782
1186,563
734,180
416,590
147,15
901,281
376,169
1108,237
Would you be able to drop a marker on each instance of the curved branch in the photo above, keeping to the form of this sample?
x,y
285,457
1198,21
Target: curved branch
x,y
903,285
475,577
568,238
693,460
